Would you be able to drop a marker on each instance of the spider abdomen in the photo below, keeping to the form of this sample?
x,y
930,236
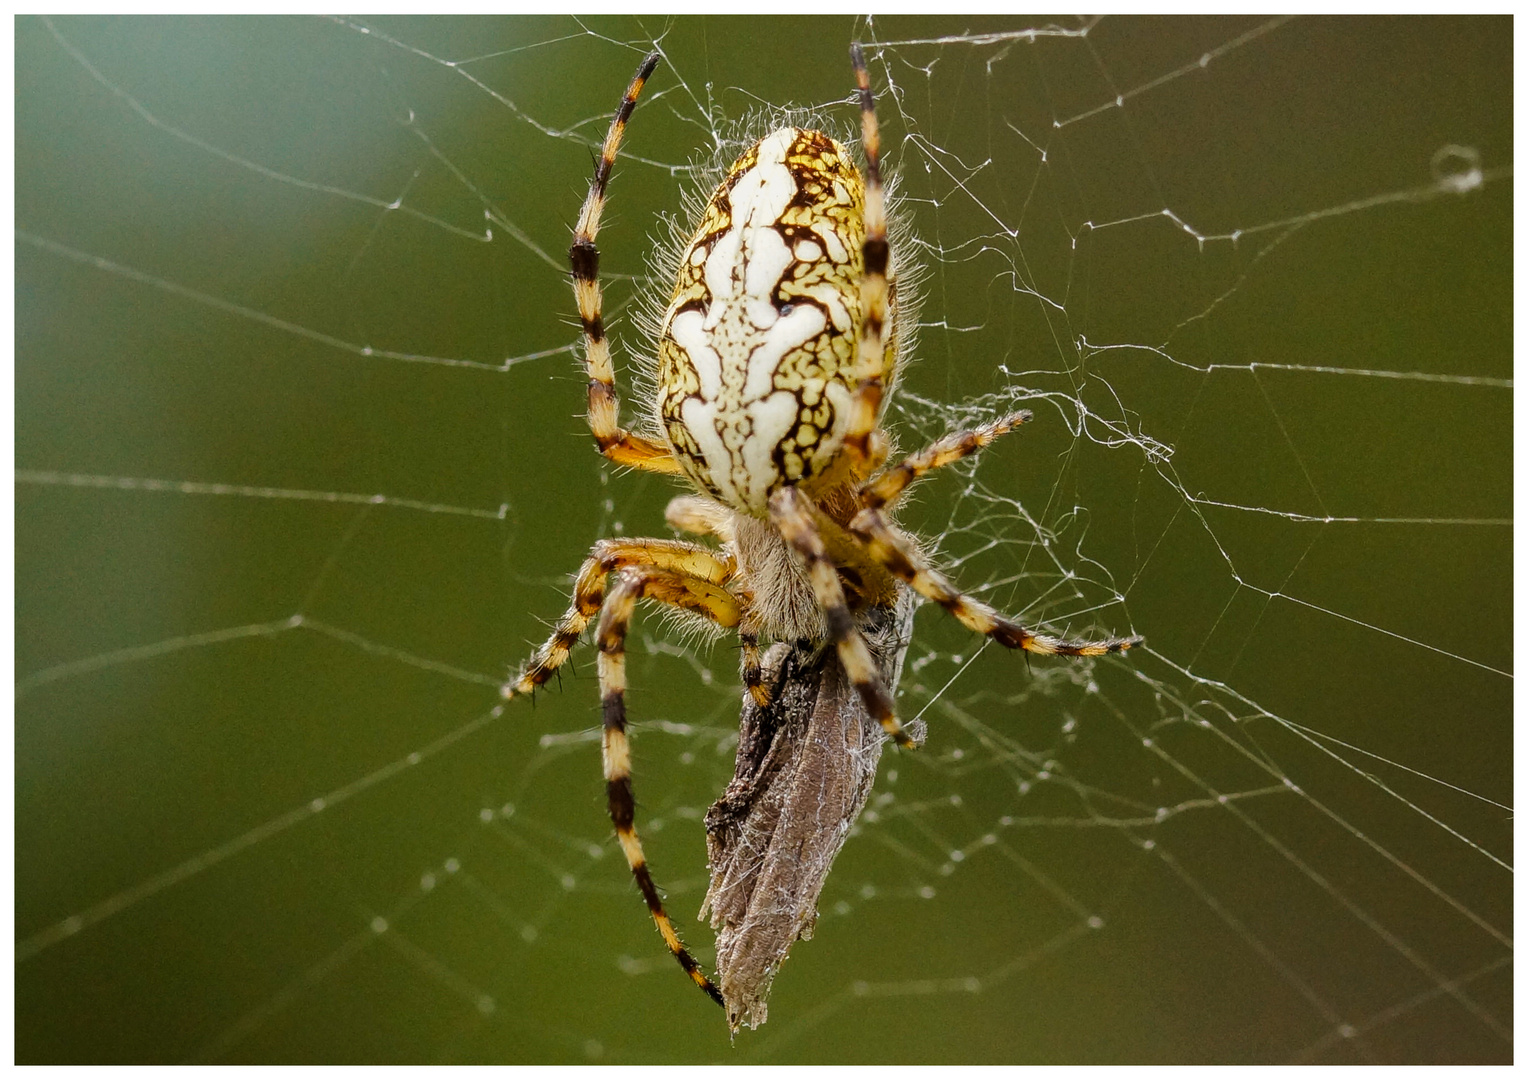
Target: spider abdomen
x,y
756,349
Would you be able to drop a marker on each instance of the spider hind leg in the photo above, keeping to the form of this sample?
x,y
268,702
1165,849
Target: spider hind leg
x,y
874,294
615,442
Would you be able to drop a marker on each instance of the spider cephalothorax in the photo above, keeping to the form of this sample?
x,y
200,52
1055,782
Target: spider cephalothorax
x,y
774,356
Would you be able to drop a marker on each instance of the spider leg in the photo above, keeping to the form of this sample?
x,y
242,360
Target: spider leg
x,y
701,516
870,360
753,661
689,561
707,517
900,556
791,513
888,487
614,441
633,584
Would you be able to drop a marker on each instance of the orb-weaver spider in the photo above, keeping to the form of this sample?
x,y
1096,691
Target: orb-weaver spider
x,y
774,356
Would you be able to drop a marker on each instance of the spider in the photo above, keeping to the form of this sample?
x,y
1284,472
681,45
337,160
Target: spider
x,y
773,360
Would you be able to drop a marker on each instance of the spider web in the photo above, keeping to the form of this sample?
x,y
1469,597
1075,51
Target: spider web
x,y
300,475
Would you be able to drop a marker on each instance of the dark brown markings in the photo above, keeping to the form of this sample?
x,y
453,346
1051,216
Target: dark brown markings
x,y
877,255
623,114
585,258
867,110
623,804
599,392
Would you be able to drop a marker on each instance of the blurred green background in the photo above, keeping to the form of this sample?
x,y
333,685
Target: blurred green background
x,y
253,253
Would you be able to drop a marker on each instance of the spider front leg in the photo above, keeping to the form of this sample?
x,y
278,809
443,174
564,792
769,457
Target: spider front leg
x,y
753,661
633,584
676,556
707,517
614,441
791,513
899,556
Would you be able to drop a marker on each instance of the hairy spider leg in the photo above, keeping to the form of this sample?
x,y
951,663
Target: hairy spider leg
x,y
707,517
753,661
870,359
901,558
614,441
700,515
687,561
889,486
633,584
791,513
